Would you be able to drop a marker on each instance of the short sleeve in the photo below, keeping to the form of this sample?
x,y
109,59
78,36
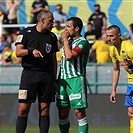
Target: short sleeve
x,y
112,54
82,47
22,37
94,46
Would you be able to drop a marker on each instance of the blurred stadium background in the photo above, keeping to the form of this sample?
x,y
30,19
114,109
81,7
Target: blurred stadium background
x,y
118,12
103,116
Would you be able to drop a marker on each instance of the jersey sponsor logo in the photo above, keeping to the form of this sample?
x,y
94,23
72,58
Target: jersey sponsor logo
x,y
22,94
74,96
48,47
19,38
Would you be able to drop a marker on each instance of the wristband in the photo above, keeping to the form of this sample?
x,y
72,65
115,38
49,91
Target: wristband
x,y
30,50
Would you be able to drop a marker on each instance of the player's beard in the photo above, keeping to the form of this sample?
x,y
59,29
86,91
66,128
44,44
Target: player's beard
x,y
73,35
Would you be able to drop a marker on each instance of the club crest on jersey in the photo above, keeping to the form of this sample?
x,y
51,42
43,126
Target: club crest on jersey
x,y
48,47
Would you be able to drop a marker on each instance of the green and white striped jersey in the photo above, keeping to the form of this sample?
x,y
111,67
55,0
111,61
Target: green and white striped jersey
x,y
77,66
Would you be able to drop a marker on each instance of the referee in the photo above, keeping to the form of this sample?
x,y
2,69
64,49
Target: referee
x,y
37,46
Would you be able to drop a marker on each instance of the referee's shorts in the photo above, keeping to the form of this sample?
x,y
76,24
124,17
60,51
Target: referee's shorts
x,y
36,83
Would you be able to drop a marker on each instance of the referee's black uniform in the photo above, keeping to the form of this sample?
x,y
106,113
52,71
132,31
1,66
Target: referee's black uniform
x,y
38,72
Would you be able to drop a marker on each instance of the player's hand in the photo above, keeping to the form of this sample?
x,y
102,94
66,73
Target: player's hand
x,y
65,35
37,54
113,97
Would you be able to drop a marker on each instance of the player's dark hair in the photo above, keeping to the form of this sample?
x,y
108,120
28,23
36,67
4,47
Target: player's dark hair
x,y
76,22
117,29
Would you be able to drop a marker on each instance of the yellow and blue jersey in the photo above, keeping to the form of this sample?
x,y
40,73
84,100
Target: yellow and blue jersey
x,y
125,56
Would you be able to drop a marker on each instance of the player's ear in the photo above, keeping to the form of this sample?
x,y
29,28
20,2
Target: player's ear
x,y
119,35
77,28
42,20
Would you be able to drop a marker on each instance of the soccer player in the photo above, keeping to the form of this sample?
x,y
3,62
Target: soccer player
x,y
37,46
121,52
72,84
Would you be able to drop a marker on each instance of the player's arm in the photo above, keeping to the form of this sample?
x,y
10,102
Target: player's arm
x,y
69,53
93,48
91,51
104,21
90,19
115,79
19,2
21,51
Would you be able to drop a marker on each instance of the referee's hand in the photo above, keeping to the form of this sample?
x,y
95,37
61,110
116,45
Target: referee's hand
x,y
37,54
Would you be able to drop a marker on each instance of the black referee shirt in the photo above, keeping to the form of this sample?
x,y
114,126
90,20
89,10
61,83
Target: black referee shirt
x,y
45,42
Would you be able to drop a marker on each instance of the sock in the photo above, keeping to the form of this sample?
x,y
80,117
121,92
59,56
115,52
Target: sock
x,y
64,126
83,125
21,124
131,126
44,122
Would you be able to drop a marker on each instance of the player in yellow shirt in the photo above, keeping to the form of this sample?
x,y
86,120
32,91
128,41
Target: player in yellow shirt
x,y
121,52
102,50
57,29
9,56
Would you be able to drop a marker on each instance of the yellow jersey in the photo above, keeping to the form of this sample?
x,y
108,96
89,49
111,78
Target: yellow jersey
x,y
125,56
6,54
102,51
59,55
57,32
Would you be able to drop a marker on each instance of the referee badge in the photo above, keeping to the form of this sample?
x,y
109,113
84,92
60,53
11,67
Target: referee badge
x,y
19,38
22,94
48,48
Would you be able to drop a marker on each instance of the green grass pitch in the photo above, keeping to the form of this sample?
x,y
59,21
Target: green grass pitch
x,y
73,129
